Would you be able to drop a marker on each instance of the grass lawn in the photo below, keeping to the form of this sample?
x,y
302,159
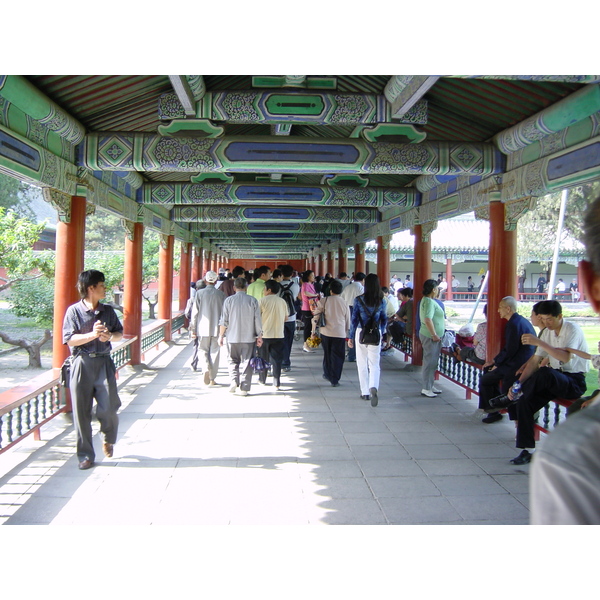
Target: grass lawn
x,y
592,336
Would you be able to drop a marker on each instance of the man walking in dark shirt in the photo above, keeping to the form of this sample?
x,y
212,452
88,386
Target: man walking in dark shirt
x,y
88,329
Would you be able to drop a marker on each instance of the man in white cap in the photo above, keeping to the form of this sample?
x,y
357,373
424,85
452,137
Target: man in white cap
x,y
204,326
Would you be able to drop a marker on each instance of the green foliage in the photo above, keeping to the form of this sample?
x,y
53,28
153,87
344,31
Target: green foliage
x,y
14,195
103,231
111,264
450,312
150,257
34,300
17,236
536,234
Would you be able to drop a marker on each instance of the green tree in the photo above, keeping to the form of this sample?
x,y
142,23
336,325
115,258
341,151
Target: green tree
x,y
104,231
17,237
16,195
536,234
23,266
34,300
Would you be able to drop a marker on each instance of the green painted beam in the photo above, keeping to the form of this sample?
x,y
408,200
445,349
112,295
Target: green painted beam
x,y
168,193
18,91
260,154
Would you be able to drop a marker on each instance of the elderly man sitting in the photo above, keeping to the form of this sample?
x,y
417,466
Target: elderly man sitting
x,y
511,358
563,378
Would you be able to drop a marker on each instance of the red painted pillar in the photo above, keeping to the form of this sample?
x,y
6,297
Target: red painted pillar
x,y
331,268
317,267
383,259
185,274
132,296
359,258
326,264
165,282
449,278
205,262
196,265
70,243
502,278
342,261
422,274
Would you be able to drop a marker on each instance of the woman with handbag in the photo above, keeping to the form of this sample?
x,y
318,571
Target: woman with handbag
x,y
309,296
431,331
335,313
367,327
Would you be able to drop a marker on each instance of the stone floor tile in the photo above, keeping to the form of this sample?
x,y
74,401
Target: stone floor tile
x,y
402,487
427,509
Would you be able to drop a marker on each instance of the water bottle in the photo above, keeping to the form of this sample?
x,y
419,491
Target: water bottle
x,y
516,390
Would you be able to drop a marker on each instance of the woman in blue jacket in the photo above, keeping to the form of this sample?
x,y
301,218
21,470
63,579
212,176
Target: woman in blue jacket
x,y
367,357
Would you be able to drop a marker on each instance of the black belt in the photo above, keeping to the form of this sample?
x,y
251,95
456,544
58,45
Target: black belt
x,y
94,354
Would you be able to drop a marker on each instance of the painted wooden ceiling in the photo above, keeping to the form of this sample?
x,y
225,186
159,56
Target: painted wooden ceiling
x,y
459,109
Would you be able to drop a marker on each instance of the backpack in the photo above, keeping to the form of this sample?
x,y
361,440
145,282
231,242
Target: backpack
x,y
370,334
286,294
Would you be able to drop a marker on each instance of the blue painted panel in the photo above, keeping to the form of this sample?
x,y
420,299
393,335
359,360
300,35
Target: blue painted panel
x,y
264,236
572,162
451,186
157,222
263,192
300,214
17,151
280,226
395,223
295,152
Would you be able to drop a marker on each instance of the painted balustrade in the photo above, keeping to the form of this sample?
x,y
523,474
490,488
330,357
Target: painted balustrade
x,y
25,408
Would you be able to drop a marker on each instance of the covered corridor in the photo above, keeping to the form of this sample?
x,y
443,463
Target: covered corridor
x,y
309,455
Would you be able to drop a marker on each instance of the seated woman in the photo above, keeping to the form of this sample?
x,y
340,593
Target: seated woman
x,y
402,323
475,353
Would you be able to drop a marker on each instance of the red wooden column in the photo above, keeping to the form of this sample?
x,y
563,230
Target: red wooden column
x,y
502,279
422,274
70,243
185,274
359,258
331,261
317,267
196,264
132,284
342,261
449,278
165,282
213,261
383,259
205,262
326,264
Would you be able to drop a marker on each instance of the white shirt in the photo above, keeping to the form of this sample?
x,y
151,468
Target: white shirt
x,y
455,283
391,305
569,336
350,292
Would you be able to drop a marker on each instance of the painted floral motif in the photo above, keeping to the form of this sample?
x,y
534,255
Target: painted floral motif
x,y
349,108
239,108
184,154
393,158
206,194
352,197
169,107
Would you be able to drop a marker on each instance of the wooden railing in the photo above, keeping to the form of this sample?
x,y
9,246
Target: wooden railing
x,y
24,409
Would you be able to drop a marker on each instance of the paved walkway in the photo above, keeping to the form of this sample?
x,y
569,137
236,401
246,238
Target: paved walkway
x,y
308,455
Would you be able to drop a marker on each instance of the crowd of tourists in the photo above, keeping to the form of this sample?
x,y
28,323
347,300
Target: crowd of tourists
x,y
256,315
